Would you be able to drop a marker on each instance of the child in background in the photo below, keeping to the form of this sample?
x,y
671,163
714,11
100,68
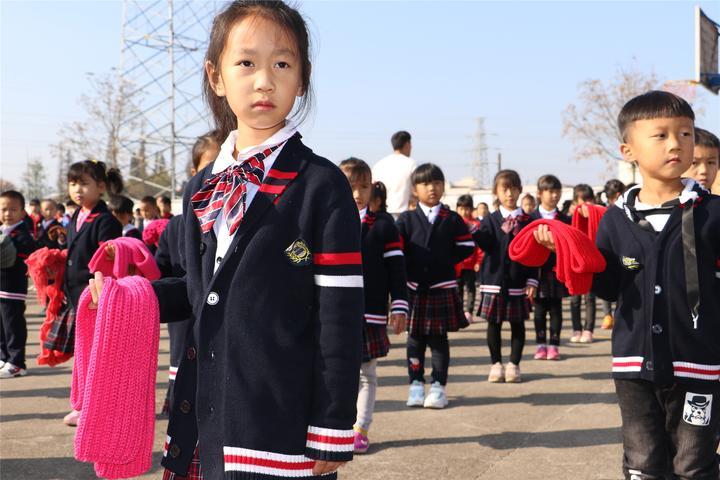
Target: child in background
x,y
48,210
613,190
70,208
507,287
528,204
383,276
482,211
91,225
149,210
122,209
62,216
435,239
378,198
33,217
550,292
469,267
164,206
704,168
582,332
13,287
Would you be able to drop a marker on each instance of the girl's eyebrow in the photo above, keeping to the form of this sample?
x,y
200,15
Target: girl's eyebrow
x,y
278,51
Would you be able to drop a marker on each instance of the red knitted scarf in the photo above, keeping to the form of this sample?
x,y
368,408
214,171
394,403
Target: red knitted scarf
x,y
577,256
589,226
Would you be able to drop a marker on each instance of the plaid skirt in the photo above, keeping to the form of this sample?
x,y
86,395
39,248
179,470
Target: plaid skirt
x,y
435,312
61,336
376,343
499,308
194,471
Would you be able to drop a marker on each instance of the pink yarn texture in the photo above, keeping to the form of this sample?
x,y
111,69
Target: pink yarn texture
x,y
151,233
128,251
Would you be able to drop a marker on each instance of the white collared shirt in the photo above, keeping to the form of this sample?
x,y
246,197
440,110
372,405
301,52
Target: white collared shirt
x,y
225,159
512,213
128,228
7,230
548,215
46,223
430,212
363,212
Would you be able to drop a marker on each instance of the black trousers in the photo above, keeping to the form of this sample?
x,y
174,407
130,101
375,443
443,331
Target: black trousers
x,y
543,306
669,431
440,349
517,341
13,332
590,307
467,280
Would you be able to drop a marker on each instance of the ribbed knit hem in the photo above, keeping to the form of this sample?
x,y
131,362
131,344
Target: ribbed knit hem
x,y
262,476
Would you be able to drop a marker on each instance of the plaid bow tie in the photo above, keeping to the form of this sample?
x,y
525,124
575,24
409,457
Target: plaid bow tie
x,y
512,224
227,191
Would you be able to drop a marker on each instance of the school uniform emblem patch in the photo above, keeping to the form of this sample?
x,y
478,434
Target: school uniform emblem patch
x,y
630,263
299,253
697,409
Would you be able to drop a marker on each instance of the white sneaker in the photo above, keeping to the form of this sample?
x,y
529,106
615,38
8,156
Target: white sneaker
x,y
436,398
9,370
416,395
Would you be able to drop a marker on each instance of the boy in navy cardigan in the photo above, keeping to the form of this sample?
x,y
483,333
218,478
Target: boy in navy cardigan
x,y
383,275
13,287
435,239
661,242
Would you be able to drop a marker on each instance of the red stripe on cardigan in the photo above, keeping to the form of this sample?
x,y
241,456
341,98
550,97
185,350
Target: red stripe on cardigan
x,y
350,258
281,175
314,437
277,189
262,462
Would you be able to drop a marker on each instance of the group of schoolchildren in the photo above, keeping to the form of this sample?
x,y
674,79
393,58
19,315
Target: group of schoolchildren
x,y
282,275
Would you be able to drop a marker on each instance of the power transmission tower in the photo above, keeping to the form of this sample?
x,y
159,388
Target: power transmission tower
x,y
480,160
162,51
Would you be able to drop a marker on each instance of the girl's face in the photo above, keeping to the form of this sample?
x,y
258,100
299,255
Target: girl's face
x,y
85,191
507,195
549,199
259,75
430,193
361,189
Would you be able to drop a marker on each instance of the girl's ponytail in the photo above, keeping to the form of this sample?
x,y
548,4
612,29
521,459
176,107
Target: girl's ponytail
x,y
114,182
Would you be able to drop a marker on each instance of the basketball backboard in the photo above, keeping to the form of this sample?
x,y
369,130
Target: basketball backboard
x,y
706,51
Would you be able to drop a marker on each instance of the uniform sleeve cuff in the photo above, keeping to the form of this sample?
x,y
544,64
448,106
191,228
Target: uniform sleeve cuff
x,y
329,444
400,306
531,282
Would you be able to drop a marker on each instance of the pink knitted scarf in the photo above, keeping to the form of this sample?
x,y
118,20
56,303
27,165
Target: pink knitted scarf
x,y
128,251
116,355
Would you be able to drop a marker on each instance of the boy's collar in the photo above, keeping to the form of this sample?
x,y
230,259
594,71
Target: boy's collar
x,y
691,191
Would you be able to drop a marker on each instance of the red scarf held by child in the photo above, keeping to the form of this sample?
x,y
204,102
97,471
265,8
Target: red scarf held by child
x,y
589,225
577,256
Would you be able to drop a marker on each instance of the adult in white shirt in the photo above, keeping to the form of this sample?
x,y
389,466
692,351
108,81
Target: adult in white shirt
x,y
394,171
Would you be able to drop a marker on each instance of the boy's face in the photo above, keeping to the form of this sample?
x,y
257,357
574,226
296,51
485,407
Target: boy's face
x,y
704,167
361,189
148,210
464,212
430,193
507,195
48,210
528,205
662,147
549,199
10,211
483,211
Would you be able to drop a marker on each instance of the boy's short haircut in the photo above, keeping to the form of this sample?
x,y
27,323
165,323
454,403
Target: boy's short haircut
x,y
703,138
527,196
14,195
548,182
653,104
61,208
148,199
49,200
356,169
507,177
613,188
584,191
483,203
120,204
203,144
34,202
465,201
165,200
427,173
400,139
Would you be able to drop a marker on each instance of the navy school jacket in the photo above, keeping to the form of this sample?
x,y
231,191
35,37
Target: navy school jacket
x,y
433,250
99,226
499,273
383,268
548,282
271,382
14,280
654,337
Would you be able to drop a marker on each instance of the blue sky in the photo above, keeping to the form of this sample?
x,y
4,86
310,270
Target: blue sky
x,y
427,67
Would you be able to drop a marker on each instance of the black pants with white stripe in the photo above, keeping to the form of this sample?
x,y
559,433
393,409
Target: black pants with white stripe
x,y
669,431
13,332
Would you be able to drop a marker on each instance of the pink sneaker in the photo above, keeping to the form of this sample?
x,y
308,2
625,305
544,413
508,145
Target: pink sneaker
x,y
587,337
361,443
576,336
72,418
541,352
553,353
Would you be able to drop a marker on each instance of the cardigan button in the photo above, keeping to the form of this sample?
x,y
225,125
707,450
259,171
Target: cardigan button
x,y
658,289
70,263
191,353
185,407
213,298
657,329
174,451
649,366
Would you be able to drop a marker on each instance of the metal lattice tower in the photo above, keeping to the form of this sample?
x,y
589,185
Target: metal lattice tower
x,y
480,162
162,50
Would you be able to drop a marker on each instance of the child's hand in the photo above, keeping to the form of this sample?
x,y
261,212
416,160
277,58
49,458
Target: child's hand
x,y
476,267
544,237
322,467
96,285
530,292
110,252
397,321
584,210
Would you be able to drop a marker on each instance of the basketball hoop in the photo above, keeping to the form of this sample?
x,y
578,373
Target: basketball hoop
x,y
682,88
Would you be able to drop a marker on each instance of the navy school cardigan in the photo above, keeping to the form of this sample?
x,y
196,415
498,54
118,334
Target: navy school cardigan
x,y
270,383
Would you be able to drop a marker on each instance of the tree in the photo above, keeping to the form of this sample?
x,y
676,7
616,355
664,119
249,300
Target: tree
x,y
6,185
591,123
33,179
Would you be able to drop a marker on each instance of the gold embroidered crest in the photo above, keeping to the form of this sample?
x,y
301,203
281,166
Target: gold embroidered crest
x,y
299,253
630,263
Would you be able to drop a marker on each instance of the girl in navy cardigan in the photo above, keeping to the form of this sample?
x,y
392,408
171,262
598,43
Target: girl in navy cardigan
x,y
435,239
507,286
269,379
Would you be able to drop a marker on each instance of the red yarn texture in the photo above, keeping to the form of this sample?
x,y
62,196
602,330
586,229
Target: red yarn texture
x,y
577,256
151,233
128,251
44,266
589,226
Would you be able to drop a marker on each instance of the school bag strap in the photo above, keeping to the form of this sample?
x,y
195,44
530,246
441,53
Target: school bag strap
x,y
692,281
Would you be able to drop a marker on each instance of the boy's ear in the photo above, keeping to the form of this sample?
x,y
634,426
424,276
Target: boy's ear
x,y
215,79
627,152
